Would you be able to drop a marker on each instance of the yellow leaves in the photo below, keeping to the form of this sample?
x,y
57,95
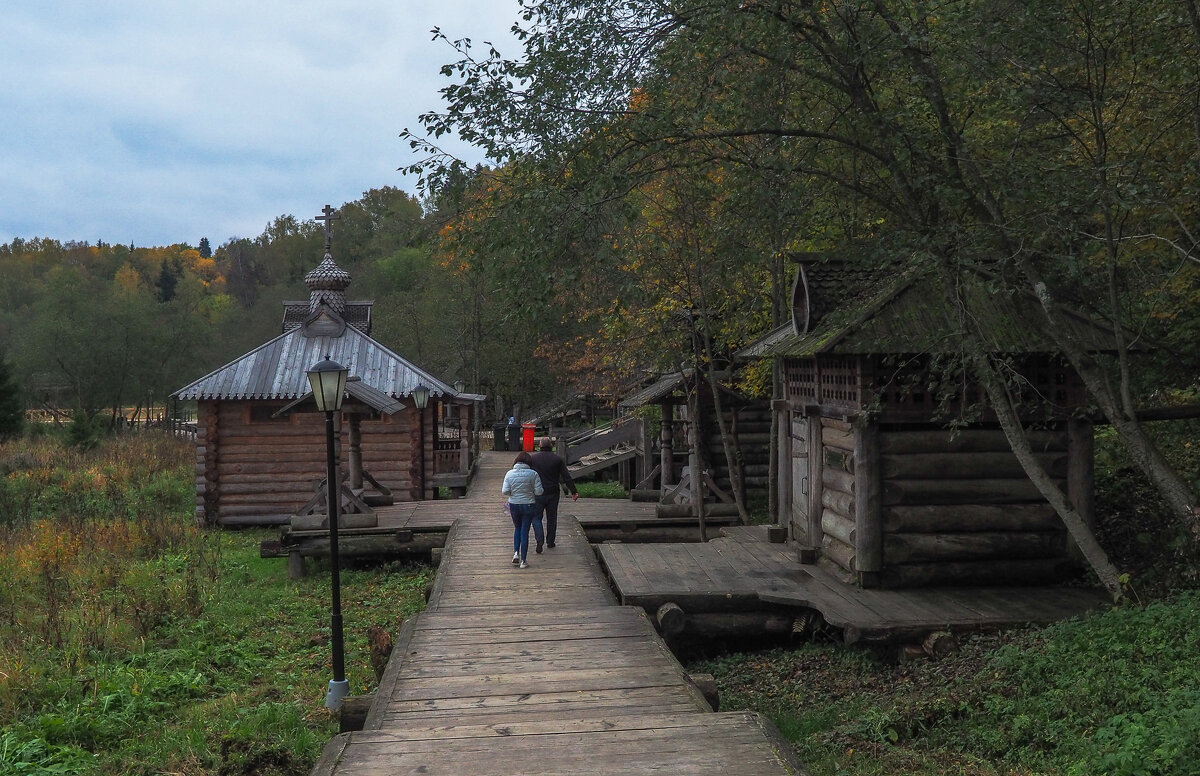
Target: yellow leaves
x,y
127,278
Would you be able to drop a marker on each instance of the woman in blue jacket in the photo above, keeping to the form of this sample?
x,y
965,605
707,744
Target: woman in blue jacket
x,y
522,485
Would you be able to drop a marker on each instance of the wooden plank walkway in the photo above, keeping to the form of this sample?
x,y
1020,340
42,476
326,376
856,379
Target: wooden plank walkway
x,y
744,572
416,527
513,671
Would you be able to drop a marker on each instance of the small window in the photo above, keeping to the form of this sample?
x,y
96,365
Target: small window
x,y
837,459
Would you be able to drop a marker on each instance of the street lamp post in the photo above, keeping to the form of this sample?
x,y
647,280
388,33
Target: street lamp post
x,y
328,381
420,397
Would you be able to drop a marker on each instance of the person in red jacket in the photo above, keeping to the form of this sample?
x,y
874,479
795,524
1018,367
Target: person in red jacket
x,y
553,471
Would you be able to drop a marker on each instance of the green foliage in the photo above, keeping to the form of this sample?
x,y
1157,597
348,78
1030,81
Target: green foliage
x,y
35,757
601,489
112,628
12,417
1113,693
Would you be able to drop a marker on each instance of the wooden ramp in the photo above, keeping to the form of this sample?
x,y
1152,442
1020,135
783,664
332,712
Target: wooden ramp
x,y
744,572
539,671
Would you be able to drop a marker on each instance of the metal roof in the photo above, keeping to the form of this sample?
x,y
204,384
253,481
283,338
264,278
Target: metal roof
x,y
276,369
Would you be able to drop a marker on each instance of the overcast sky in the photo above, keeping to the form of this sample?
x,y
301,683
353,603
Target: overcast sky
x,y
156,122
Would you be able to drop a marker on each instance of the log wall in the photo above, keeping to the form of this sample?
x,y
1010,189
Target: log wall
x,y
925,507
957,509
751,429
250,469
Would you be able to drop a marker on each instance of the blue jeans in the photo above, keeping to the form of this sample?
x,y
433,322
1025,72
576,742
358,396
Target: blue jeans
x,y
524,516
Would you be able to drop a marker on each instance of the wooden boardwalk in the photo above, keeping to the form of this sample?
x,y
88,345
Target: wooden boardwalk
x,y
539,671
416,527
744,572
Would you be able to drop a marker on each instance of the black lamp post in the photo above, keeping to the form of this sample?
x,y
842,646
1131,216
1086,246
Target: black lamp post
x,y
328,381
420,397
460,386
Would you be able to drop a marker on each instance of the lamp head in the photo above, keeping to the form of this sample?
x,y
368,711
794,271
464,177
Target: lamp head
x,y
328,381
420,396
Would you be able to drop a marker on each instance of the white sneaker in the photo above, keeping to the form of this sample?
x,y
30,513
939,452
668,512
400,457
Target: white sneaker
x,y
524,565
516,557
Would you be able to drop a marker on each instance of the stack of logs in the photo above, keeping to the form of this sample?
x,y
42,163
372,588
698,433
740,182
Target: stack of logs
x,y
952,509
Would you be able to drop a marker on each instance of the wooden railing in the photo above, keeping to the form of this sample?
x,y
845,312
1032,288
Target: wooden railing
x,y
603,438
451,456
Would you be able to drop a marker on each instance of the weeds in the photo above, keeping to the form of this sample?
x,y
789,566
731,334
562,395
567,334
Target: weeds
x,y
115,624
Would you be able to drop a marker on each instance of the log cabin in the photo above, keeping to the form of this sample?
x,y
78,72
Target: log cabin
x,y
893,472
260,446
748,421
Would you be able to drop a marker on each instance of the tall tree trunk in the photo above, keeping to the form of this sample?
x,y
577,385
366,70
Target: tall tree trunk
x,y
732,457
1076,525
694,460
1142,450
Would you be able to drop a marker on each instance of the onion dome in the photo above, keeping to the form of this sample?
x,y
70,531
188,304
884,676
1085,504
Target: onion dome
x,y
327,283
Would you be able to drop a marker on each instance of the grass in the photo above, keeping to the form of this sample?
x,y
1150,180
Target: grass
x,y
136,644
1112,694
132,643
601,489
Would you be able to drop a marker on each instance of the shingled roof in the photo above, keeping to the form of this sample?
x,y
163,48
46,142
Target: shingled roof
x,y
908,312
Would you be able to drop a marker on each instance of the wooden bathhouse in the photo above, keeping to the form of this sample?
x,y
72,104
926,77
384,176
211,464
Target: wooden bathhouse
x,y
260,448
894,474
748,421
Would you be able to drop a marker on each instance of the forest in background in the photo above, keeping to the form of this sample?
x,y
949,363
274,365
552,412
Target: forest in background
x,y
656,170
97,326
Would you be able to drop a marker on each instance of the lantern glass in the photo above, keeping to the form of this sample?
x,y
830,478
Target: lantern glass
x,y
420,396
460,386
328,381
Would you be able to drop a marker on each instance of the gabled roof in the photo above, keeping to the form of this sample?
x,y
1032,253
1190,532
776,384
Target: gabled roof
x,y
907,312
276,369
659,389
357,314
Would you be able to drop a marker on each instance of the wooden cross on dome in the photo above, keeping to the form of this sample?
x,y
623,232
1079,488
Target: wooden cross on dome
x,y
328,218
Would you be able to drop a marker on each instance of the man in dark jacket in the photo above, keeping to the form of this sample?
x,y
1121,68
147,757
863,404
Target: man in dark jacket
x,y
553,471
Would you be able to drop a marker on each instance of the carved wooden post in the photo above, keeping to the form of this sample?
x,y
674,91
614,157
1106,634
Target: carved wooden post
x,y
666,452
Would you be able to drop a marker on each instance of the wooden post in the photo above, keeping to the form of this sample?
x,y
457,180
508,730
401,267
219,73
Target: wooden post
x,y
295,565
666,452
464,439
354,437
868,523
816,473
646,444
783,467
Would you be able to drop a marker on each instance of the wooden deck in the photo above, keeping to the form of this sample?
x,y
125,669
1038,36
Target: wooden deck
x,y
743,572
514,671
416,527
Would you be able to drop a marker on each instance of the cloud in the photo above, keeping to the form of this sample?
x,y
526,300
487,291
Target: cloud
x,y
166,121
